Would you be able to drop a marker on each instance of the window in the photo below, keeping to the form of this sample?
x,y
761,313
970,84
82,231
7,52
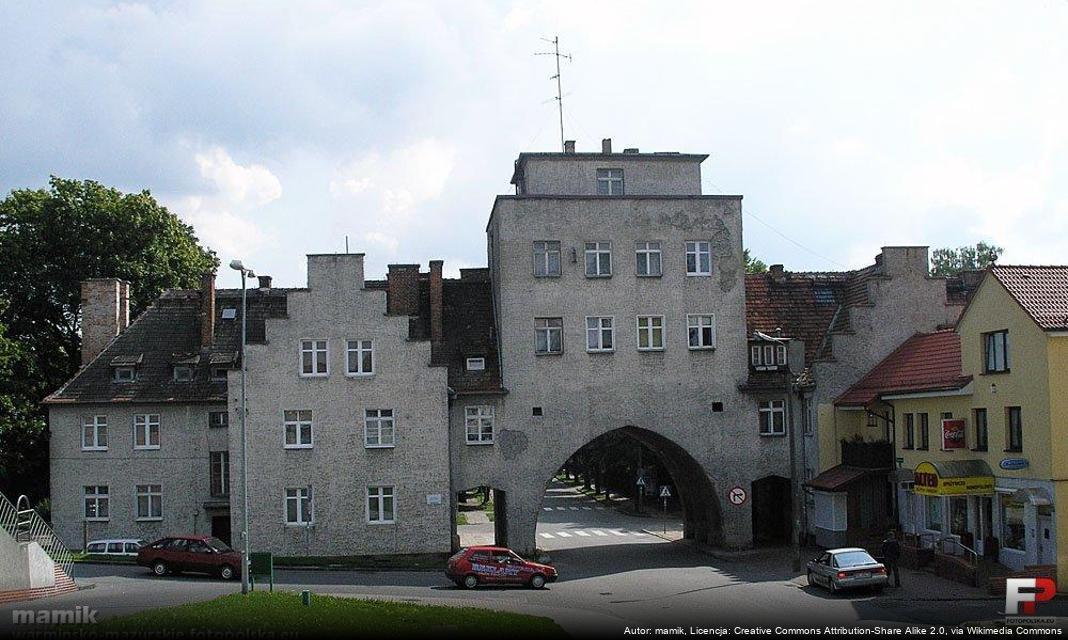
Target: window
x,y
1012,524
698,258
910,431
220,473
360,358
996,352
933,512
600,334
97,503
229,313
146,431
378,428
125,374
95,433
476,364
609,182
702,331
650,333
1014,429
546,259
381,508
313,358
598,259
548,336
958,516
218,419
925,433
299,505
648,256
96,547
478,422
980,430
767,356
149,502
298,429
773,418
183,373
219,374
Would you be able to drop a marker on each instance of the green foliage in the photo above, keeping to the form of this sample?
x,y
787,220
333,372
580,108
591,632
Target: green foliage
x,y
50,240
753,265
948,261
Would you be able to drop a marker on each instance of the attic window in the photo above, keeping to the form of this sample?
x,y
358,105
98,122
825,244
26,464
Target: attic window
x,y
183,373
823,295
219,374
125,374
476,364
229,313
767,357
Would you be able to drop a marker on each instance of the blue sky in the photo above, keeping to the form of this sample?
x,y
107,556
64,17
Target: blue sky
x,y
278,128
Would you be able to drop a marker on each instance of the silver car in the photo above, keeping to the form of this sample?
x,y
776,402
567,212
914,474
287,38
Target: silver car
x,y
846,568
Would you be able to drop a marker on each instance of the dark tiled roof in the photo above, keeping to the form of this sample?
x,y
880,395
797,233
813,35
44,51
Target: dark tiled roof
x,y
1042,292
803,305
168,333
469,331
924,362
838,478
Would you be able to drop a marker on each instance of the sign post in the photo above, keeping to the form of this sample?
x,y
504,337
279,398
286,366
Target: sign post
x,y
641,491
665,493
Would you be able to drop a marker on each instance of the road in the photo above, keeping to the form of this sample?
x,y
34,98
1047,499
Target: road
x,y
608,582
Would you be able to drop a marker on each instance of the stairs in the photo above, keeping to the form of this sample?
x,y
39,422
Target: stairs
x,y
22,524
64,584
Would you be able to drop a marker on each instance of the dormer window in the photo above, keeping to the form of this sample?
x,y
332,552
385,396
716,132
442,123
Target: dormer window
x,y
125,374
124,368
221,363
767,357
183,373
609,182
476,364
219,374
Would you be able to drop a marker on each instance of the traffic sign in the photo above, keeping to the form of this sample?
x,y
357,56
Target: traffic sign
x,y
641,481
737,496
665,491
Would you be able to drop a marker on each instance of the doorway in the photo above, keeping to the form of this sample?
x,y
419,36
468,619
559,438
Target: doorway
x,y
220,528
771,510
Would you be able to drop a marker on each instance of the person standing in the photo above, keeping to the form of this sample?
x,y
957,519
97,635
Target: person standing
x,y
891,553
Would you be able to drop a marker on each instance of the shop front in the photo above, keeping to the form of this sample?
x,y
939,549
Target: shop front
x,y
951,499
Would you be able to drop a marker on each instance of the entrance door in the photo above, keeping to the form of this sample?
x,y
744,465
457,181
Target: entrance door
x,y
1047,539
772,510
220,528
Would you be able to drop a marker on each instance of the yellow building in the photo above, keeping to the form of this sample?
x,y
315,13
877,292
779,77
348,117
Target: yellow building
x,y
979,421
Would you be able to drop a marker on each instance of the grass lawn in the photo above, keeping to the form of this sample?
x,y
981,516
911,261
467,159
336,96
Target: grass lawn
x,y
282,613
461,518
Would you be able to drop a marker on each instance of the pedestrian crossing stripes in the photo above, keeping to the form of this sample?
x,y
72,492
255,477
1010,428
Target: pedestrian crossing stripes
x,y
595,508
591,533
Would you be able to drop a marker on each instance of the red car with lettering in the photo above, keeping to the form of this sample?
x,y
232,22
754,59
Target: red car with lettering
x,y
473,566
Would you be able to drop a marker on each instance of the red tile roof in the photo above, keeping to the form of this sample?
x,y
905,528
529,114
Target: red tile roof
x,y
838,478
924,362
1041,291
802,305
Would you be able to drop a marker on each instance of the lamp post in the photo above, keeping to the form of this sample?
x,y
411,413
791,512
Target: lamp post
x,y
236,265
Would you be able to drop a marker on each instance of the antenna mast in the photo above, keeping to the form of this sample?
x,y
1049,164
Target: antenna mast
x,y
559,85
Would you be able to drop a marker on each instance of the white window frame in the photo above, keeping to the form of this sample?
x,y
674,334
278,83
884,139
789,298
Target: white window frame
x,y
696,321
301,496
361,348
376,500
99,426
646,250
312,346
699,249
213,425
143,424
549,331
599,331
995,344
475,364
124,379
297,423
649,330
765,356
476,419
772,409
612,181
543,258
223,465
379,422
153,493
97,497
597,249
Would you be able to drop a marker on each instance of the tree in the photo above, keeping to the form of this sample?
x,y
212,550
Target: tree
x,y
753,265
50,240
948,261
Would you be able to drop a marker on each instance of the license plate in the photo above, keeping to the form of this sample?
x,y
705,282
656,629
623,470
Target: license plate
x,y
863,574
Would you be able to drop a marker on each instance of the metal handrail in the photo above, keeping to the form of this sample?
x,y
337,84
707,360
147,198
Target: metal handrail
x,y
26,525
972,553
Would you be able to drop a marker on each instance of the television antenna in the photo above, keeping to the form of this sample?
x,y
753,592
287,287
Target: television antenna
x,y
559,85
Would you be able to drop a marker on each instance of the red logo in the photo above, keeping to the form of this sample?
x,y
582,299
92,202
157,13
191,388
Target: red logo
x,y
1037,590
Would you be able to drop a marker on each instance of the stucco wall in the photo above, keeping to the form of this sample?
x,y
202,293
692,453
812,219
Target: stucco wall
x,y
642,175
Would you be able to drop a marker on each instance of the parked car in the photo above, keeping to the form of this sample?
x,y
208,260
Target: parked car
x,y
846,568
473,566
196,554
114,547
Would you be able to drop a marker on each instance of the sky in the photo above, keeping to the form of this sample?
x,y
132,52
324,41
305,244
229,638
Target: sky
x,y
277,129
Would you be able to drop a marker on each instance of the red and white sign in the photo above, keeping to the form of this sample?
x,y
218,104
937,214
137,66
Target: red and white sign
x,y
1023,593
737,496
953,433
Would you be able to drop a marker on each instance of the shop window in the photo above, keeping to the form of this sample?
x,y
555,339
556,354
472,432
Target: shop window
x,y
958,516
1012,524
933,513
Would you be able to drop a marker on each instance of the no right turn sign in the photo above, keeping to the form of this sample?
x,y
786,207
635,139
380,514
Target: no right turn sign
x,y
737,496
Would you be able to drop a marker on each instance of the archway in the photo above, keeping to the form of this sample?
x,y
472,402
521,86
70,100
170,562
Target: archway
x,y
771,510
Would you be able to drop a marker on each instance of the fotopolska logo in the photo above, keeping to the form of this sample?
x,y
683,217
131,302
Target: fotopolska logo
x,y
1021,594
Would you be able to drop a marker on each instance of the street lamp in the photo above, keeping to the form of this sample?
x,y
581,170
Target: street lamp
x,y
237,265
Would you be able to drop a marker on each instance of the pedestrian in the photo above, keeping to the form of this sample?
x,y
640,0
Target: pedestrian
x,y
891,553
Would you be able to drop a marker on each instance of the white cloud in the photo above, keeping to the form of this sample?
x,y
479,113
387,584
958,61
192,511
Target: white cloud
x,y
251,185
399,180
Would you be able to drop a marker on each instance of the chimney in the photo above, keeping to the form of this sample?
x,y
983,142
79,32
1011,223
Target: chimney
x,y
265,282
207,309
435,301
606,145
569,146
338,272
105,310
777,272
402,296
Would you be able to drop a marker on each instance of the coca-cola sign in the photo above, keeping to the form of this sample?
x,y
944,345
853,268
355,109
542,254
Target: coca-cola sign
x,y
953,433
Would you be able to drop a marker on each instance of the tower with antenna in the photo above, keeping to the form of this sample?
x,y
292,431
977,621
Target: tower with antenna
x,y
559,84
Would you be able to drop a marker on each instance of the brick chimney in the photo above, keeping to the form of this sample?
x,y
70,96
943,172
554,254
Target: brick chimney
x,y
207,309
264,281
402,297
606,145
105,310
777,273
436,332
569,146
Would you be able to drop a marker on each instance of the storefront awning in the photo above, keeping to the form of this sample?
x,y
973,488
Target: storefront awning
x,y
954,478
1033,496
840,477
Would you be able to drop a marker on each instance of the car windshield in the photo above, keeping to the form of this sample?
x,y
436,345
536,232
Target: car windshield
x,y
218,545
853,558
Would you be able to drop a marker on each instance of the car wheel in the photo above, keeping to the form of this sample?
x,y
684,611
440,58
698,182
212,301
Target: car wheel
x,y
226,572
159,568
470,581
538,581
833,586
811,580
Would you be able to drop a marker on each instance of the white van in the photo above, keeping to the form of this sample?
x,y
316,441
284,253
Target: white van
x,y
114,547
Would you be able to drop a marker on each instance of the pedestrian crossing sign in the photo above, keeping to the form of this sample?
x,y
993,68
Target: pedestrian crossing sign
x,y
641,481
665,491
